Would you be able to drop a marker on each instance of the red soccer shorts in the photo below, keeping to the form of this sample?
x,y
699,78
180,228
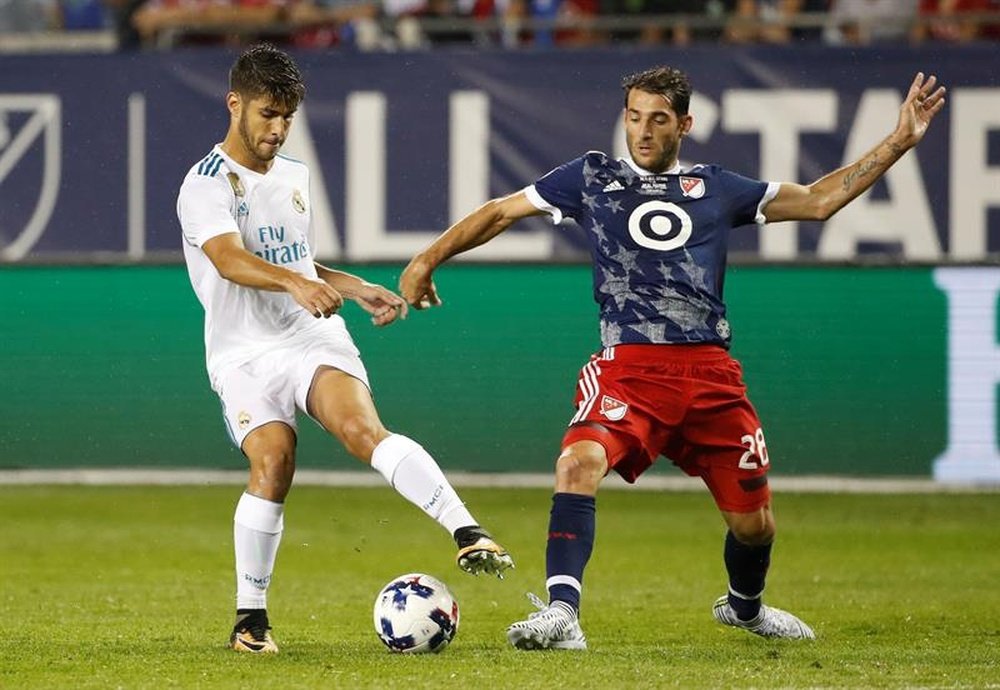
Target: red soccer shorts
x,y
685,402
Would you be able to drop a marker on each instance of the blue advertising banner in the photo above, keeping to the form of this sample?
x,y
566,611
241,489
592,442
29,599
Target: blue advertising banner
x,y
94,147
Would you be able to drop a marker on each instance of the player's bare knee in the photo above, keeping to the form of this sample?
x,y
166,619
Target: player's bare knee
x,y
360,434
271,473
580,467
755,529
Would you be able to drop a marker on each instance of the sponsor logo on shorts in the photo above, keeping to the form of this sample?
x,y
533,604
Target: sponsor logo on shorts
x,y
243,419
613,409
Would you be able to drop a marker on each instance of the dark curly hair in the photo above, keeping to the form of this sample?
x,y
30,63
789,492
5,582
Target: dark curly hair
x,y
264,70
669,82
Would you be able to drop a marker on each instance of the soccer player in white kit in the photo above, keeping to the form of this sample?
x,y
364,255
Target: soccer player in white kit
x,y
274,341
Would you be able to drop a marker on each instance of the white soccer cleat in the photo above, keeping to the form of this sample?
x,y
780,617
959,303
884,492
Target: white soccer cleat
x,y
484,556
552,626
770,622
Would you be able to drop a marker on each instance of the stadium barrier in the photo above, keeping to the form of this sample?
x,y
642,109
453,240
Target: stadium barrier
x,y
888,371
398,146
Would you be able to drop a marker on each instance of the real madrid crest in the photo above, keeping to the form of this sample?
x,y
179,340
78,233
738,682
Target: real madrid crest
x,y
298,203
235,183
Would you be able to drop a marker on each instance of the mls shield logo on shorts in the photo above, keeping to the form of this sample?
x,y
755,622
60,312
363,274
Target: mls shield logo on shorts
x,y
692,187
613,409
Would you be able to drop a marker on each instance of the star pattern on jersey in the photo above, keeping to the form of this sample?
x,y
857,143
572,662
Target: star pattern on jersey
x,y
649,294
690,314
654,332
610,332
615,287
695,272
626,172
628,259
602,236
590,174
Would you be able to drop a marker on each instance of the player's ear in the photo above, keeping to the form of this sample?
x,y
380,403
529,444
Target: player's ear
x,y
234,103
687,122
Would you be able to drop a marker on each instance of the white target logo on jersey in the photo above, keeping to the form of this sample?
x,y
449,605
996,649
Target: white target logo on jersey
x,y
659,225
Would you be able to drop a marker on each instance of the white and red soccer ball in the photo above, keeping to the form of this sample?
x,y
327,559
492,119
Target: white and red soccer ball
x,y
415,613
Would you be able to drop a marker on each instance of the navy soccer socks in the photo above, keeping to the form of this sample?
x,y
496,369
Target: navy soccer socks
x,y
571,541
747,566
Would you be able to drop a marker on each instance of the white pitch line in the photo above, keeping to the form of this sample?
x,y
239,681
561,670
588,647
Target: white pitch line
x,y
303,477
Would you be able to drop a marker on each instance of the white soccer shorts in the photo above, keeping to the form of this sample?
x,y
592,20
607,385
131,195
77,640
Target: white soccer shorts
x,y
270,387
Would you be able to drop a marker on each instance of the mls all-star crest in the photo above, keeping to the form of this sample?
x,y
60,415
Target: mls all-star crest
x,y
692,187
612,408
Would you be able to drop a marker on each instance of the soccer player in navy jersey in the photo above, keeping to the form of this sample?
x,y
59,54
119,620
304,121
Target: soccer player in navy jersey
x,y
664,382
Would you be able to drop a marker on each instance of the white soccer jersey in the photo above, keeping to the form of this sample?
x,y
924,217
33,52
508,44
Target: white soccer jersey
x,y
272,214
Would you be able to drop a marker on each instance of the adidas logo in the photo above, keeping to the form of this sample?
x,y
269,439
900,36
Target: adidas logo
x,y
613,186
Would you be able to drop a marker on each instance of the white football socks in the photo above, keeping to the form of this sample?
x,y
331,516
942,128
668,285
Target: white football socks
x,y
412,472
257,527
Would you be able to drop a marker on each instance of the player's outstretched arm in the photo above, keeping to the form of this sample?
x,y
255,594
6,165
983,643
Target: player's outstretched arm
x,y
384,305
236,264
477,228
832,192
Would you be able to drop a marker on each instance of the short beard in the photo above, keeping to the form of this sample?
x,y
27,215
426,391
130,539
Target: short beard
x,y
248,144
663,162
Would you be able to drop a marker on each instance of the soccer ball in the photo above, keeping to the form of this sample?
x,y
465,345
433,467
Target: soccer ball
x,y
416,613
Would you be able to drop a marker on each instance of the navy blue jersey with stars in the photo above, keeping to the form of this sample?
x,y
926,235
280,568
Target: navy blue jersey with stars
x,y
658,242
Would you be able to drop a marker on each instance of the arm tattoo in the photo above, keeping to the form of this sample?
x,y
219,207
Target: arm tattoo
x,y
859,171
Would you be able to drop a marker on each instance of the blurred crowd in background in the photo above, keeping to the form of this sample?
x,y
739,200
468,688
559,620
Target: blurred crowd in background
x,y
414,24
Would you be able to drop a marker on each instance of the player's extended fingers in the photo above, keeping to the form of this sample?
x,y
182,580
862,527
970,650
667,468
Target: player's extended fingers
x,y
933,99
927,86
915,85
937,104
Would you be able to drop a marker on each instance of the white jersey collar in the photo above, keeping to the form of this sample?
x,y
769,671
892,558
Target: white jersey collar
x,y
233,165
642,171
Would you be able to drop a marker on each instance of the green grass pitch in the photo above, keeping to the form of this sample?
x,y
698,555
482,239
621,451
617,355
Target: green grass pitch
x,y
131,587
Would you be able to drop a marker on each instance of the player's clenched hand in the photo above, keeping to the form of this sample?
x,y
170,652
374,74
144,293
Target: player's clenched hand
x,y
384,306
416,285
316,296
922,103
